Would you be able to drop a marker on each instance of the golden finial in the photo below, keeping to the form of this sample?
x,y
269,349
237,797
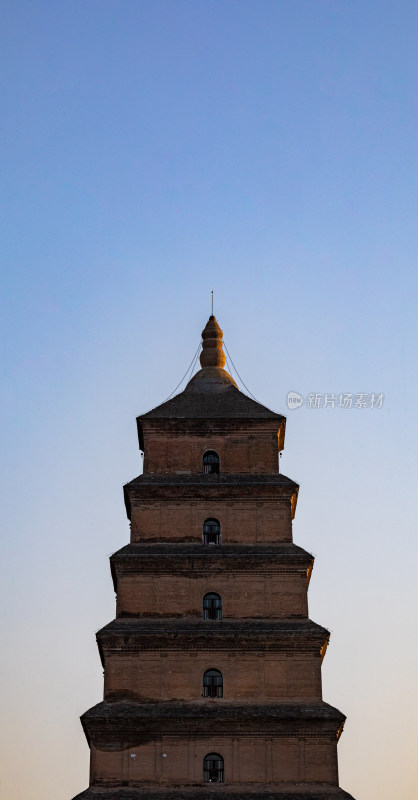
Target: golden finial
x,y
212,354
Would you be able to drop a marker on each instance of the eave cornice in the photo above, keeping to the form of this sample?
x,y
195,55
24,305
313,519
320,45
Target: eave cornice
x,y
137,791
111,726
178,487
125,636
201,560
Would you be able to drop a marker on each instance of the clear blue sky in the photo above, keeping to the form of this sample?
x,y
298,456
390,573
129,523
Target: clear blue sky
x,y
152,150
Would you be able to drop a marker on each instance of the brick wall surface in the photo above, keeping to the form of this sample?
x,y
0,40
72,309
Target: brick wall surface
x,y
248,760
243,595
174,676
244,521
238,454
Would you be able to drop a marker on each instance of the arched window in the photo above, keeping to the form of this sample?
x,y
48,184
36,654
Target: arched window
x,y
211,532
213,768
212,606
213,683
211,463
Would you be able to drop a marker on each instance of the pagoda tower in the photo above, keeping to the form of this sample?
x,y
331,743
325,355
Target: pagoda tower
x,y
212,667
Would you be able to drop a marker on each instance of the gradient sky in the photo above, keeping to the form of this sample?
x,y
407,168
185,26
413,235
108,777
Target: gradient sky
x,y
153,150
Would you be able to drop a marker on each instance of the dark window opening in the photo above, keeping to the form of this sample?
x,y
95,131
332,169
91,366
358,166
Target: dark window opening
x,y
213,683
211,463
212,606
211,532
213,768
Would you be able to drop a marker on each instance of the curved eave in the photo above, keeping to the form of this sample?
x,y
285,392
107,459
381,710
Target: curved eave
x,y
189,634
113,726
162,558
304,791
223,486
277,420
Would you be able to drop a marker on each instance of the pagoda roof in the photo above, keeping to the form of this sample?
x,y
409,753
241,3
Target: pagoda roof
x,y
109,723
226,403
303,791
179,550
223,479
162,557
223,485
239,712
231,635
251,627
289,549
212,392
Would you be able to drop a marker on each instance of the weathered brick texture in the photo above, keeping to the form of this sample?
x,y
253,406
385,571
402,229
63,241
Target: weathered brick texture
x,y
244,521
159,676
242,595
248,760
239,453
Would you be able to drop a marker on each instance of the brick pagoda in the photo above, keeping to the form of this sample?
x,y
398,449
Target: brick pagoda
x,y
212,667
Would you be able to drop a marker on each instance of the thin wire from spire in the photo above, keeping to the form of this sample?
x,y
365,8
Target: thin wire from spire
x,y
190,367
239,376
228,365
199,349
212,303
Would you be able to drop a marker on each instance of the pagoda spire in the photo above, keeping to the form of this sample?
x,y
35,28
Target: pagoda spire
x,y
212,354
